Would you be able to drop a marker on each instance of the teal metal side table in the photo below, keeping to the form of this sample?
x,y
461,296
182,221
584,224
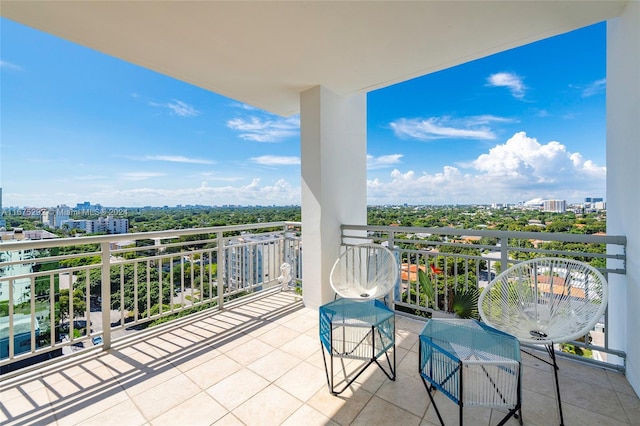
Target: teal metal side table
x,y
472,364
362,330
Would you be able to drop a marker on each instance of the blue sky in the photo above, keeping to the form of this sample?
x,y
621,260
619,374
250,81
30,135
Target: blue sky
x,y
77,125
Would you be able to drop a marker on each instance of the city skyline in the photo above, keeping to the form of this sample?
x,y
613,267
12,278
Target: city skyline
x,y
79,126
87,208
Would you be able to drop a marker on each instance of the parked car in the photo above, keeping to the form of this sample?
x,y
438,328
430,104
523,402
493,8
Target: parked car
x,y
96,340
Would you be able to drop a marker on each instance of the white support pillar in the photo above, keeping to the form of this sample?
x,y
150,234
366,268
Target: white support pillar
x,y
623,175
334,181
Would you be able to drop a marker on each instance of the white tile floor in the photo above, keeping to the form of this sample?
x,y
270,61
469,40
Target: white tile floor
x,y
261,364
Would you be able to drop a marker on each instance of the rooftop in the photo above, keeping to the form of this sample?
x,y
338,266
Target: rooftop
x,y
260,362
20,234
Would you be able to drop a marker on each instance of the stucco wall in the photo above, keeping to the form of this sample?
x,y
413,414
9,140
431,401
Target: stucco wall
x,y
623,178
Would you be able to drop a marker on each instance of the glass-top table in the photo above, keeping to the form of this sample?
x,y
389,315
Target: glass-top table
x,y
472,364
361,330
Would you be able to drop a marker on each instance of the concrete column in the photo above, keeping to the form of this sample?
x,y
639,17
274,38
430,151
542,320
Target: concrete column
x,y
334,181
623,176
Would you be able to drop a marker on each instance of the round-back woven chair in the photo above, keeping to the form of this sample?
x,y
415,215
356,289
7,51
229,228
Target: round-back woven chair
x,y
545,301
365,272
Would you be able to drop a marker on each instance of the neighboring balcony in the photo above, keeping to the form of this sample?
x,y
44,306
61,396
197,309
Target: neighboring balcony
x,y
244,349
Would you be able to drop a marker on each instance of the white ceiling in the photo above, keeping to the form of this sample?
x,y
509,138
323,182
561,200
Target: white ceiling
x,y
265,53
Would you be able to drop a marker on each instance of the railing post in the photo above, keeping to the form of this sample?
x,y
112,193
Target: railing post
x,y
105,291
504,253
221,270
11,335
395,294
286,249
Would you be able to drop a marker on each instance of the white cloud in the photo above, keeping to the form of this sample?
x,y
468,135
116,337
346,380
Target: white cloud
x,y
474,127
525,157
9,66
595,88
383,161
267,129
244,106
178,108
177,159
518,170
274,160
279,192
477,120
511,81
140,175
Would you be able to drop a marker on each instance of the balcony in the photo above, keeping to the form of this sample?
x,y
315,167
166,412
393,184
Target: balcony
x,y
309,76
236,348
259,362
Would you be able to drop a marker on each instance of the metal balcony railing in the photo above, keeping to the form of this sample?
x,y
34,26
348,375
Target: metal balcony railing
x,y
68,295
71,295
453,261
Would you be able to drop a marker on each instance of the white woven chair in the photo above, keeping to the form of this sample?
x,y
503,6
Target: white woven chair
x,y
358,326
545,301
364,272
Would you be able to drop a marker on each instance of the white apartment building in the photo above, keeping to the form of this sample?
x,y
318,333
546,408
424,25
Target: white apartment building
x,y
555,206
253,259
53,218
92,226
20,290
600,205
593,204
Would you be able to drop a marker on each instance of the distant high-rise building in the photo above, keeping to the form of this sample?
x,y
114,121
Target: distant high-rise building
x,y
101,224
19,263
18,290
593,200
555,206
253,259
0,199
592,204
87,208
53,218
48,217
